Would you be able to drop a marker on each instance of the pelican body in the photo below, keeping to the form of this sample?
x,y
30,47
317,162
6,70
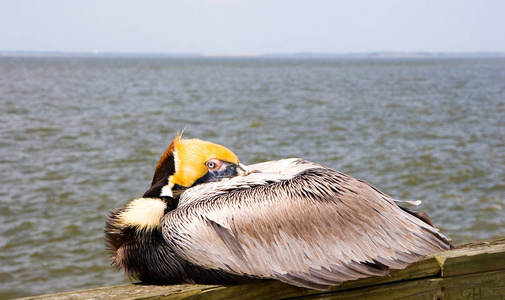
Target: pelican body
x,y
209,219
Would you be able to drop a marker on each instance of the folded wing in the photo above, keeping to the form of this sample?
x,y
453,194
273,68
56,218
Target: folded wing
x,y
304,224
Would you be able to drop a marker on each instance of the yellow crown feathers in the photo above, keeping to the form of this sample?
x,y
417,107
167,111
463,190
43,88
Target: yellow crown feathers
x,y
190,157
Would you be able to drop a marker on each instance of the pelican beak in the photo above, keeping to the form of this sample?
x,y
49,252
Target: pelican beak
x,y
243,170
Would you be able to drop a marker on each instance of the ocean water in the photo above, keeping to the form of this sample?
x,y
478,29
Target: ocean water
x,y
80,136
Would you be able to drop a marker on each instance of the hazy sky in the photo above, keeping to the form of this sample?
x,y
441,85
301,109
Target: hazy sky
x,y
246,26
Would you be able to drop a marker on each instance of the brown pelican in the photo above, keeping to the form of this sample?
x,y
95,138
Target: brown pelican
x,y
209,219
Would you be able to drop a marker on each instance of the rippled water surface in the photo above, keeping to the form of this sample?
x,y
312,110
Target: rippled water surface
x,y
80,136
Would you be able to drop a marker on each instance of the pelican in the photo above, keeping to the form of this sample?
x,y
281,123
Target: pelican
x,y
207,218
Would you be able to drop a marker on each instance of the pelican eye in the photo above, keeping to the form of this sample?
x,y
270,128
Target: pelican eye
x,y
214,164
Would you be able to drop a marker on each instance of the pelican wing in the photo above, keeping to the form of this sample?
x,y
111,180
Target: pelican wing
x,y
300,223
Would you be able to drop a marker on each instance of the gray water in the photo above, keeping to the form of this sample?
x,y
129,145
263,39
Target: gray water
x,y
82,135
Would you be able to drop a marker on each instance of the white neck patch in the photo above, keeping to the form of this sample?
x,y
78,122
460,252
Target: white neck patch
x,y
144,213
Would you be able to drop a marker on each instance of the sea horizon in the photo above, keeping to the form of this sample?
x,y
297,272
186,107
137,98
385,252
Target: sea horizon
x,y
371,54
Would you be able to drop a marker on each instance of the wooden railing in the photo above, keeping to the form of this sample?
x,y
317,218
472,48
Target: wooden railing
x,y
471,271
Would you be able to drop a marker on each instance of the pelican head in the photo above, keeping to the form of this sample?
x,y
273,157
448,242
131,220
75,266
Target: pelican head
x,y
186,163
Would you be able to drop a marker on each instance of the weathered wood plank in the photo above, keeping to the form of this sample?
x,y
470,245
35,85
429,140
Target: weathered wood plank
x,y
488,285
130,291
420,289
465,260
468,272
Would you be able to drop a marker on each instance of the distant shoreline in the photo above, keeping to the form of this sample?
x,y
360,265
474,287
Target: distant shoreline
x,y
257,55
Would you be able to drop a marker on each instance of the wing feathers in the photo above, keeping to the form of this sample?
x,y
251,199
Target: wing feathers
x,y
228,239
333,278
391,263
316,229
369,268
302,281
